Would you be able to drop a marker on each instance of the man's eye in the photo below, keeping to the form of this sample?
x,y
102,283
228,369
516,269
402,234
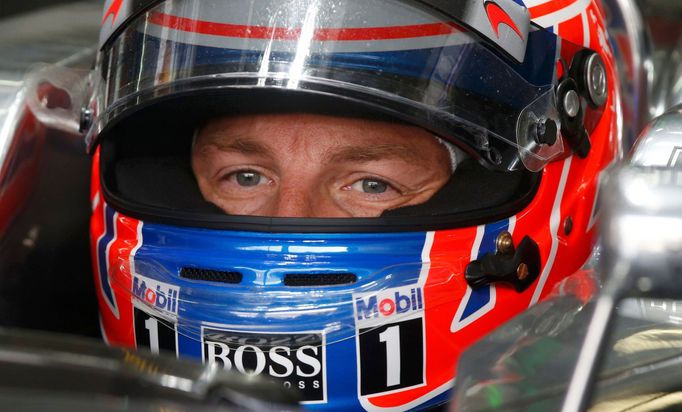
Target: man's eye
x,y
248,178
371,186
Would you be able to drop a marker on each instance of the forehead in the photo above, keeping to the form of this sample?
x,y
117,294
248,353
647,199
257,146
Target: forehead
x,y
322,129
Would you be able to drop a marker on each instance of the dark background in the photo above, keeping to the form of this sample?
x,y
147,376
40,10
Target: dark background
x,y
10,7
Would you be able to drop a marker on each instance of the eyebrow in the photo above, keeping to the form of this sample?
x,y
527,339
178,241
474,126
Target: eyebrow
x,y
372,153
348,154
241,145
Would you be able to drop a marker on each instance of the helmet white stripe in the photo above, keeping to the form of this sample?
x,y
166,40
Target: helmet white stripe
x,y
554,221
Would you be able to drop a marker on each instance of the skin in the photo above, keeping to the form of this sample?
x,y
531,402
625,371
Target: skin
x,y
307,165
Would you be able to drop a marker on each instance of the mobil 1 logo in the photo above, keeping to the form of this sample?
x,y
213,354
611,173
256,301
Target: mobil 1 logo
x,y
390,339
155,332
295,359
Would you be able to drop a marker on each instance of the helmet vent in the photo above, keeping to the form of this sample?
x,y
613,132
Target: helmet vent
x,y
210,275
319,279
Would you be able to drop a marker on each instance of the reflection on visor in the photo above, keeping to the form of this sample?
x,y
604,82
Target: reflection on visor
x,y
395,57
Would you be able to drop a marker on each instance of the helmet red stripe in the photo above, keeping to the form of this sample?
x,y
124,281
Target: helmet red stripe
x,y
442,286
286,33
549,7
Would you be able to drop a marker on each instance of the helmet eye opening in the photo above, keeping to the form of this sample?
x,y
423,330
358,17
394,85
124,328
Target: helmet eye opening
x,y
146,173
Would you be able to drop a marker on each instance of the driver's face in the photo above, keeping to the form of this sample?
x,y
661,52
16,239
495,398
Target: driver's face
x,y
304,165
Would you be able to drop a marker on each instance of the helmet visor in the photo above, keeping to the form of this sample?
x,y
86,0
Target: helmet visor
x,y
401,58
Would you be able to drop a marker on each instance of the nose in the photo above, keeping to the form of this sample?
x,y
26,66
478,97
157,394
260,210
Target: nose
x,y
293,202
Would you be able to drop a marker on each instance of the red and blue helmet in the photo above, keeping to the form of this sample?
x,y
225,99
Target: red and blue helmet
x,y
355,313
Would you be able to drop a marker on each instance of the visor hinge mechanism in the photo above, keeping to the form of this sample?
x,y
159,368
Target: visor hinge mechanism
x,y
581,98
572,117
518,267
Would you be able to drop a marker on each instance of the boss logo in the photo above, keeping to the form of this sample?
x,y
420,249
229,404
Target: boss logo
x,y
295,359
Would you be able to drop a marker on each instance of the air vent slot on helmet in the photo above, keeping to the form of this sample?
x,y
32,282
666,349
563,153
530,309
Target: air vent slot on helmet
x,y
211,275
319,279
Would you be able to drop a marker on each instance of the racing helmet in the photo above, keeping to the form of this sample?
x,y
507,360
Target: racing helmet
x,y
354,313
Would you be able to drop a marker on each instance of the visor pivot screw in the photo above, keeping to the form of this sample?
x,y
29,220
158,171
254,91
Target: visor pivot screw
x,y
644,284
522,271
86,119
571,103
568,226
595,79
546,132
504,243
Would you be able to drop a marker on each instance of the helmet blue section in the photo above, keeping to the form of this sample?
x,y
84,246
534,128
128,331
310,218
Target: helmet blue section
x,y
313,327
